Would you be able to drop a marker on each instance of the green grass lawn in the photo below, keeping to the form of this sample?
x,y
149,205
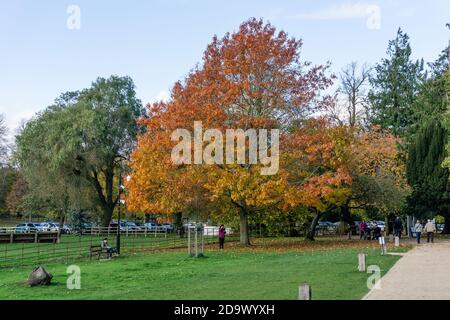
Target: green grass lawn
x,y
234,274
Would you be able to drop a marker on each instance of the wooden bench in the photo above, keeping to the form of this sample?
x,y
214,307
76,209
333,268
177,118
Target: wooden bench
x,y
47,237
97,251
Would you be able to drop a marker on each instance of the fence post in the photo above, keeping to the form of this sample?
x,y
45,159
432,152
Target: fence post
x,y
79,246
304,292
361,262
11,238
6,253
39,253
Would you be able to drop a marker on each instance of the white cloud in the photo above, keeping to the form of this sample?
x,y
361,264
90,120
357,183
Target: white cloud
x,y
162,96
343,11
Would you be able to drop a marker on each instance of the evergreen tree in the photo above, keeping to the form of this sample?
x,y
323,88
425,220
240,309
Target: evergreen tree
x,y
395,84
428,179
433,98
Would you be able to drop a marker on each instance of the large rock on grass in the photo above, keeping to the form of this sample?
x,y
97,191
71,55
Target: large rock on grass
x,y
39,277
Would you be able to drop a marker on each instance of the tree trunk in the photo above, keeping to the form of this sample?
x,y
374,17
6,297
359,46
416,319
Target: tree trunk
x,y
447,225
107,215
346,215
389,228
61,221
243,228
178,222
312,230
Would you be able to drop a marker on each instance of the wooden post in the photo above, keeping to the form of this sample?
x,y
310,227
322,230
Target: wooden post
x,y
36,237
304,292
397,241
361,262
11,238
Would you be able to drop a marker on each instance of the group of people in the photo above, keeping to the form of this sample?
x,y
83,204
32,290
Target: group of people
x,y
368,233
429,229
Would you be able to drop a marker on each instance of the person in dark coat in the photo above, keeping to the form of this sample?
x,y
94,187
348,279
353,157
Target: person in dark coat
x,y
398,227
376,233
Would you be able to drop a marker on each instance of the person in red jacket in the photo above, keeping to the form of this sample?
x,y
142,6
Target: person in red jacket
x,y
362,230
222,233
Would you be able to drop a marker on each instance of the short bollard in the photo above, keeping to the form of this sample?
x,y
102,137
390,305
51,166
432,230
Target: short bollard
x,y
361,262
391,237
397,241
382,245
304,292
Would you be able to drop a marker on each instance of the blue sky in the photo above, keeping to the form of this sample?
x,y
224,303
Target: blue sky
x,y
157,42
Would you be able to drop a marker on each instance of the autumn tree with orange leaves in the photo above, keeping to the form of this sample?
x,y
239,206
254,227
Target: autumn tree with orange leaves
x,y
378,173
253,78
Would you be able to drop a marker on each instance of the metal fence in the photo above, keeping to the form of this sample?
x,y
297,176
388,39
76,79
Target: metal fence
x,y
72,247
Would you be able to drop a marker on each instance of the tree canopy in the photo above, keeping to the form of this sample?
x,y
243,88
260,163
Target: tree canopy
x,y
79,144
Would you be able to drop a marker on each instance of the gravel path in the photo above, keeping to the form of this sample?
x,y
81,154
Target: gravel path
x,y
422,274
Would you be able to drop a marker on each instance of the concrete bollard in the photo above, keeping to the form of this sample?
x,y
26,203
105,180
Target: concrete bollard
x,y
397,241
361,262
391,238
304,292
382,245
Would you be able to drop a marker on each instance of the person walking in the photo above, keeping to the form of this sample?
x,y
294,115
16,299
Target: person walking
x,y
398,227
362,230
430,229
418,228
222,233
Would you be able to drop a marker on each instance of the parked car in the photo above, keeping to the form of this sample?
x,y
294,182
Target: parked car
x,y
26,228
440,226
151,226
379,224
39,226
325,225
66,229
131,226
168,227
114,226
48,227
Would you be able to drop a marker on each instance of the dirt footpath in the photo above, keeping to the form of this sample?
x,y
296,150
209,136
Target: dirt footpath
x,y
422,274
